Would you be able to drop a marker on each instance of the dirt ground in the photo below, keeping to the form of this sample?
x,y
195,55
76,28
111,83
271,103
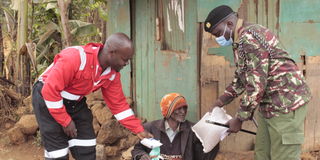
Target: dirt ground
x,y
31,151
25,151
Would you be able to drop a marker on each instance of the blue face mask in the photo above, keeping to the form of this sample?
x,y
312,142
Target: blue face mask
x,y
222,40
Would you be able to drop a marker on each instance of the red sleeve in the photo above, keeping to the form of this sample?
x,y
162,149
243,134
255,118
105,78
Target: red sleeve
x,y
116,101
66,64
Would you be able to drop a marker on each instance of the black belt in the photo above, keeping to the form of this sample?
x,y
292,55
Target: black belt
x,y
74,106
73,103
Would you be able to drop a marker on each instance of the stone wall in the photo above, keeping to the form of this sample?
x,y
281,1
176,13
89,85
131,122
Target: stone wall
x,y
114,142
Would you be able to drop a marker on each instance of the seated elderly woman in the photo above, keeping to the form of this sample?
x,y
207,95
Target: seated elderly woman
x,y
174,132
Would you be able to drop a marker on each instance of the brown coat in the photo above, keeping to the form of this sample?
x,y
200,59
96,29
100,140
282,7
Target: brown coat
x,y
191,147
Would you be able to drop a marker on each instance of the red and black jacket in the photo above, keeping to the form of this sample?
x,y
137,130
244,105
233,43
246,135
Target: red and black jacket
x,y
76,72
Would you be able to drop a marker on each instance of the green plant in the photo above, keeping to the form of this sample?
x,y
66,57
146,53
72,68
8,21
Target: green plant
x,y
37,139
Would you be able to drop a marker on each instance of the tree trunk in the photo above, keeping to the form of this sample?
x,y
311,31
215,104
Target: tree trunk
x,y
63,6
104,31
22,24
23,62
97,21
1,53
31,7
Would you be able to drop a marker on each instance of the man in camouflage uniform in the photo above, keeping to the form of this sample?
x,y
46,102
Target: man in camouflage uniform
x,y
270,80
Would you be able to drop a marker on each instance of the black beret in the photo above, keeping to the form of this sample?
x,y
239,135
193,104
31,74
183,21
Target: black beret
x,y
216,16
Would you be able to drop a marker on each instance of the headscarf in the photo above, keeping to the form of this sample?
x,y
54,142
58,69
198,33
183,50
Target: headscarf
x,y
171,102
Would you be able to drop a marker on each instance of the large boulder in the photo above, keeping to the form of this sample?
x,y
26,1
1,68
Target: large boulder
x,y
8,125
110,132
100,152
90,97
22,110
93,102
25,107
97,105
16,136
126,155
111,151
97,95
96,125
27,102
101,112
5,140
28,124
125,143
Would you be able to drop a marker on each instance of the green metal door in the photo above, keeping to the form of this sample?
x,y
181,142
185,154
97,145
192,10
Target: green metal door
x,y
299,31
165,35
119,20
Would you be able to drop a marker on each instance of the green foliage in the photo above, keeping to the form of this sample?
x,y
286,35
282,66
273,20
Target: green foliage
x,y
81,30
46,29
37,139
103,14
42,17
46,13
11,23
88,5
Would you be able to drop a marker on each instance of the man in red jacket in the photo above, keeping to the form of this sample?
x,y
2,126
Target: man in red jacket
x,y
59,101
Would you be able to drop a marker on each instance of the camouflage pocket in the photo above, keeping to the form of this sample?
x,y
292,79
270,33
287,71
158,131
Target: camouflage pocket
x,y
292,138
284,117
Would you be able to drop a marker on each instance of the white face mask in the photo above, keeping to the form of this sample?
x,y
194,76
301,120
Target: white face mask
x,y
222,40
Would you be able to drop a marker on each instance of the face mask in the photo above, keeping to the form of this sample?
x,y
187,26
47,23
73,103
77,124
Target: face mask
x,y
222,40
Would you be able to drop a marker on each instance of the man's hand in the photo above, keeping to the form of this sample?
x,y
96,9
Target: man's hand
x,y
70,130
218,103
234,125
144,134
145,157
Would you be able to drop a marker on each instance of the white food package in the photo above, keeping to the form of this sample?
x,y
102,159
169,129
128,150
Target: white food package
x,y
210,135
151,143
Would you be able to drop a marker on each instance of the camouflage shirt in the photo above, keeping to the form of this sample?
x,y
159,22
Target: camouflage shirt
x,y
266,74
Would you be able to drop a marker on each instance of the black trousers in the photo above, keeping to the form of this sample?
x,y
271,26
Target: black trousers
x,y
56,143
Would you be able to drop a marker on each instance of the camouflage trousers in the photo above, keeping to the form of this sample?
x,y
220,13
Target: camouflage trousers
x,y
280,138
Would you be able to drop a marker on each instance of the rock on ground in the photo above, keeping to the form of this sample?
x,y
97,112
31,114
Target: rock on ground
x,y
27,102
28,124
16,136
125,143
101,112
100,152
96,125
111,151
97,95
126,155
8,125
110,132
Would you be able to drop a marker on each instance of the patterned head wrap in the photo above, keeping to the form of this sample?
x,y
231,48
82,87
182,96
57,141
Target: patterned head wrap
x,y
171,102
